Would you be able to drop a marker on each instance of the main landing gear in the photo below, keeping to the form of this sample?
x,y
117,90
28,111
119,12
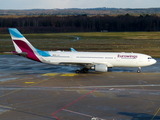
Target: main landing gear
x,y
83,70
139,70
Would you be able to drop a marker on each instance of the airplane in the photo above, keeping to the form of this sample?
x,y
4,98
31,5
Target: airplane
x,y
97,61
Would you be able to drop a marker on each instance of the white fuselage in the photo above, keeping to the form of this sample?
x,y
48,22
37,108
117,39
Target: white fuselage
x,y
111,59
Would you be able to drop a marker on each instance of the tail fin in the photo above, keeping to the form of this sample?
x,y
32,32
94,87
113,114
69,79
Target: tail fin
x,y
22,45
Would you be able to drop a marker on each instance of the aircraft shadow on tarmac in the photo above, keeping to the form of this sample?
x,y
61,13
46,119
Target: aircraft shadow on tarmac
x,y
140,116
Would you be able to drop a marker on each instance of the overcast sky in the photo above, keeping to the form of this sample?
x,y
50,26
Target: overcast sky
x,y
51,4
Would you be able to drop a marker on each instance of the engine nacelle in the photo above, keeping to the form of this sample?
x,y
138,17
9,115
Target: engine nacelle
x,y
101,68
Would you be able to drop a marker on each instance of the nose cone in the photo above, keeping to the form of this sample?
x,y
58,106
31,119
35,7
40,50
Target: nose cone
x,y
154,61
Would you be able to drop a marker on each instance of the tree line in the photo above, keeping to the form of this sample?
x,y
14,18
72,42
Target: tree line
x,y
81,23
79,11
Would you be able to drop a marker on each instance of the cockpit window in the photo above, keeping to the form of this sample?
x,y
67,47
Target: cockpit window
x,y
149,57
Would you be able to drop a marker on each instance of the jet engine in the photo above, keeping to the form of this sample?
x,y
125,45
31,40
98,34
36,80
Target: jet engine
x,y
100,68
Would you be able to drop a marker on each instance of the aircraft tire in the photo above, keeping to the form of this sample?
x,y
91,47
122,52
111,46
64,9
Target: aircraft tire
x,y
138,71
77,71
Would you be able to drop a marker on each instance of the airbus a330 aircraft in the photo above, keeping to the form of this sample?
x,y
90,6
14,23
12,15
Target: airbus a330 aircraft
x,y
98,61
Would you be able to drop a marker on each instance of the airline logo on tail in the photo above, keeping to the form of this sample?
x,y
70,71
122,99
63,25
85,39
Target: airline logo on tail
x,y
23,46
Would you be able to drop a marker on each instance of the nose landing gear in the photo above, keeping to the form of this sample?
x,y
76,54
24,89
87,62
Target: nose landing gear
x,y
139,70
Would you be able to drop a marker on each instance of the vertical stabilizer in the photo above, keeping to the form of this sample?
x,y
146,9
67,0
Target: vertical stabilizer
x,y
22,45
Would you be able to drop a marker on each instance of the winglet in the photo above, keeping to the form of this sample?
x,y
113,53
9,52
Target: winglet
x,y
73,50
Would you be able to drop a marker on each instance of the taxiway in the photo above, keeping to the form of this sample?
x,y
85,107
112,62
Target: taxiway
x,y
30,93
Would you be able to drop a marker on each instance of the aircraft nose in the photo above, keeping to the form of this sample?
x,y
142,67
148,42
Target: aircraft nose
x,y
154,61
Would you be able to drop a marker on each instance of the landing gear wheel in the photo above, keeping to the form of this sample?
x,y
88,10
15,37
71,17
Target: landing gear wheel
x,y
139,70
77,71
83,70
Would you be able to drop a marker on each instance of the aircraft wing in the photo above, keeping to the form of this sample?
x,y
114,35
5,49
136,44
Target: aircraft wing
x,y
85,64
77,63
